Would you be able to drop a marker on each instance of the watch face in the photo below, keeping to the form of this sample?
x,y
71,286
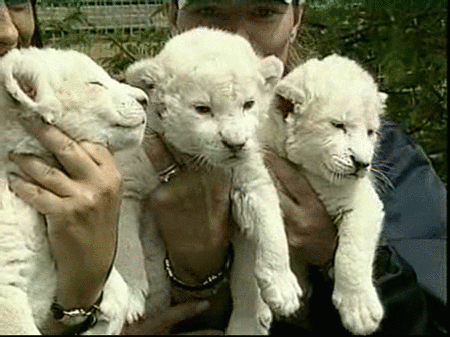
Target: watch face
x,y
73,317
69,317
57,311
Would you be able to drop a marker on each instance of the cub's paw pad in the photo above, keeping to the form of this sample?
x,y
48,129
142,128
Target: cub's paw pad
x,y
281,292
361,312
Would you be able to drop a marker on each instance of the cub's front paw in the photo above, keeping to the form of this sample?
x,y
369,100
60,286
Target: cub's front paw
x,y
136,307
280,291
361,311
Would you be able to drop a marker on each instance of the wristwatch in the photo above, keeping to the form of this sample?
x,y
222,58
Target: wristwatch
x,y
77,317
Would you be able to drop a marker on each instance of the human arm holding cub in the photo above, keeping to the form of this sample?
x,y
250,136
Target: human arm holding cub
x,y
81,202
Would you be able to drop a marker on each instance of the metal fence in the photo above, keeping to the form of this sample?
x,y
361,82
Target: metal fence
x,y
72,3
100,15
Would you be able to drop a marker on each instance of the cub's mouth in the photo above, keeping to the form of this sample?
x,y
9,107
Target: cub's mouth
x,y
233,158
132,124
339,175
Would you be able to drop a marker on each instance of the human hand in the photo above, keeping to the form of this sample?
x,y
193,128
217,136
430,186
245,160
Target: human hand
x,y
81,202
310,230
193,212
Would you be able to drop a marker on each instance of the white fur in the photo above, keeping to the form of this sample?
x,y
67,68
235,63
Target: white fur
x,y
332,125
207,89
75,94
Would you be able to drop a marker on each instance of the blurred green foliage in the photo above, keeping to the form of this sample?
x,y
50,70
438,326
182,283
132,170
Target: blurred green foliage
x,y
403,43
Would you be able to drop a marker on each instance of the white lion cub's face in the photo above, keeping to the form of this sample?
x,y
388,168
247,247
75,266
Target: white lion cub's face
x,y
71,91
332,128
207,88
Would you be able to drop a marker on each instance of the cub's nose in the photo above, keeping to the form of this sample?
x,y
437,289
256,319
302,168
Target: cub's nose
x,y
233,146
142,100
359,164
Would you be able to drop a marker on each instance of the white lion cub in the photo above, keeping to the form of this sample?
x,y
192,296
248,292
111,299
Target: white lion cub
x,y
207,88
69,90
331,132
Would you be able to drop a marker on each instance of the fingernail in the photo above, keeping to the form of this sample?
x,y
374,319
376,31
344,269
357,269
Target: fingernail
x,y
202,306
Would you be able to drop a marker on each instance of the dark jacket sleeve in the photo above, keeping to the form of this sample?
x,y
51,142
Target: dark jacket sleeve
x,y
416,207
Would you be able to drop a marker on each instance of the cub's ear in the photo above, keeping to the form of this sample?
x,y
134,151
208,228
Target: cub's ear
x,y
292,94
27,84
272,69
148,75
145,74
19,79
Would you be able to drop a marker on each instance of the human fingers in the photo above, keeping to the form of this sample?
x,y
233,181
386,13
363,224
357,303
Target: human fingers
x,y
163,323
288,176
99,154
158,153
107,170
39,198
76,162
46,175
291,211
309,231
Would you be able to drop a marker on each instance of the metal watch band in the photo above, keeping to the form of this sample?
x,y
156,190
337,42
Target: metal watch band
x,y
76,316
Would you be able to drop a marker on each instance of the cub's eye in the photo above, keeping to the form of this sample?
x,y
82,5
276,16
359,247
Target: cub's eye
x,y
339,125
370,132
248,105
97,83
202,109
